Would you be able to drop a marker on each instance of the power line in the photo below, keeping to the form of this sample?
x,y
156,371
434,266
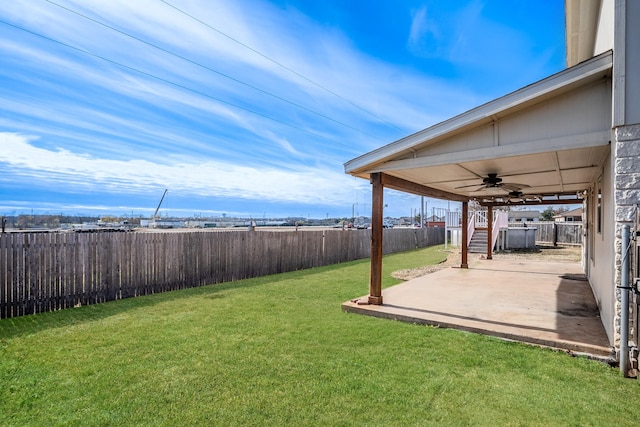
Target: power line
x,y
119,64
222,33
213,70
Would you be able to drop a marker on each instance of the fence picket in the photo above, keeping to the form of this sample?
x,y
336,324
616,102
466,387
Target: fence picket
x,y
50,271
3,274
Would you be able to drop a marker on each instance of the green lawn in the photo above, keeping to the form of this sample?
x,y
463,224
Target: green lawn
x,y
278,350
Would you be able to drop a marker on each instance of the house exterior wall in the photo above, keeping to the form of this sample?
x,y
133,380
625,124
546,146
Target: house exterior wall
x,y
600,244
525,219
626,138
632,63
618,28
627,193
569,219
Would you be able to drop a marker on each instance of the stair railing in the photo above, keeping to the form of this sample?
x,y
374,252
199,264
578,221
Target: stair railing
x,y
471,228
501,222
481,219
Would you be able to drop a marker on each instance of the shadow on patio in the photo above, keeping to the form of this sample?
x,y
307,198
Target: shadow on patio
x,y
535,302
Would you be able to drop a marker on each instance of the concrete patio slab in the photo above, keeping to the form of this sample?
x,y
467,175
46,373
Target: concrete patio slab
x,y
542,303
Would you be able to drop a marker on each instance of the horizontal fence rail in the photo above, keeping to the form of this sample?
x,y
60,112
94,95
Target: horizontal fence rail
x,y
566,233
42,272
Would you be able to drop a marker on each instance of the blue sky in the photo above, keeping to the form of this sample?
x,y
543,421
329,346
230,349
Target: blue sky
x,y
247,107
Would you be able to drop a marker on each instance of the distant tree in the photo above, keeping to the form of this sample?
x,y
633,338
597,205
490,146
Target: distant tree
x,y
547,214
40,221
52,221
474,206
24,221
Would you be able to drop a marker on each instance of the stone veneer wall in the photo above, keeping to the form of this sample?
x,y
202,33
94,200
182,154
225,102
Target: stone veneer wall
x,y
626,197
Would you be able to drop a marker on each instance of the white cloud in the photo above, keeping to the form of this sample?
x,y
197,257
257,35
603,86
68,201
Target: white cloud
x,y
423,34
304,185
104,126
282,35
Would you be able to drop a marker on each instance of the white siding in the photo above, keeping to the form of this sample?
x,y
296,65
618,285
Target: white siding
x,y
580,112
575,113
601,259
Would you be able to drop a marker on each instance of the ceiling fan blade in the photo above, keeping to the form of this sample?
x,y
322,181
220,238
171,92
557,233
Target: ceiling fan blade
x,y
469,186
491,191
512,186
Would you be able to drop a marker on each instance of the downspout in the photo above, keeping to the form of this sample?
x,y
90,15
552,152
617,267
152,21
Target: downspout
x,y
624,304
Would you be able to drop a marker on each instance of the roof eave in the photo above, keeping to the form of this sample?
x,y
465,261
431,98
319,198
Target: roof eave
x,y
565,80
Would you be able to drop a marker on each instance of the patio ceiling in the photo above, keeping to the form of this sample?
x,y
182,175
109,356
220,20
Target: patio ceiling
x,y
547,139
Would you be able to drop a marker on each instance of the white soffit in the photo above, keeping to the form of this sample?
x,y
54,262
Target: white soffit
x,y
535,174
581,25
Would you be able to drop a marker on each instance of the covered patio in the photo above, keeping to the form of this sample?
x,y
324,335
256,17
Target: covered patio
x,y
536,302
544,144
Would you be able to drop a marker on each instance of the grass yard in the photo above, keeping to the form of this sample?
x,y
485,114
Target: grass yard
x,y
278,350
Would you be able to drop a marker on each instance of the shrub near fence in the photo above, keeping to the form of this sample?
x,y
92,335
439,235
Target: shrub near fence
x,y
42,272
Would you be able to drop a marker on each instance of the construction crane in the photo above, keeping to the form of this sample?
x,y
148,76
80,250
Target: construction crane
x,y
155,214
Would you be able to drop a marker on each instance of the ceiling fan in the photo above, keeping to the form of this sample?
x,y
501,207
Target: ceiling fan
x,y
519,196
493,181
511,197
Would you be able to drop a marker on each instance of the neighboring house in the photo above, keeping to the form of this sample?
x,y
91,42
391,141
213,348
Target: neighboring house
x,y
524,216
572,138
434,221
570,216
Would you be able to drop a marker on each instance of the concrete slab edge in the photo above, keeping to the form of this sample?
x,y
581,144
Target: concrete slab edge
x,y
574,349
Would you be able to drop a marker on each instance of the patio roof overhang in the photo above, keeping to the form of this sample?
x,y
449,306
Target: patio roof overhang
x,y
548,140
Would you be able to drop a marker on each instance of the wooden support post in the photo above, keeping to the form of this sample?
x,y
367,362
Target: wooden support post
x,y
465,232
489,232
375,285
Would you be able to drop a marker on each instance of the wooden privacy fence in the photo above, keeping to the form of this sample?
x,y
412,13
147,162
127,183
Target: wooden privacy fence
x,y
42,272
565,233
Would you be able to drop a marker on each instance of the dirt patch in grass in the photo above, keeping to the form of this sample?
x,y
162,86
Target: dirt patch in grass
x,y
544,253
453,258
539,253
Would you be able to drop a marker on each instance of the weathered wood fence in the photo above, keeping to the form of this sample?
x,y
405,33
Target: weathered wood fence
x,y
42,272
565,233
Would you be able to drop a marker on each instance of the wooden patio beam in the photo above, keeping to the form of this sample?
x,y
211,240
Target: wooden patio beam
x,y
400,184
377,194
465,232
534,203
489,232
379,181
